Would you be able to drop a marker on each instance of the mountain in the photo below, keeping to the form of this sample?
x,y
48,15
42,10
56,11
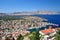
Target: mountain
x,y
21,13
46,12
3,14
36,12
31,13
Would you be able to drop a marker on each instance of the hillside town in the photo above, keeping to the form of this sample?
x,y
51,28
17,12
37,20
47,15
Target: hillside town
x,y
29,19
13,28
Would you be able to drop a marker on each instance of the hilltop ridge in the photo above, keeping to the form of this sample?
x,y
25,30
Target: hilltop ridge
x,y
30,13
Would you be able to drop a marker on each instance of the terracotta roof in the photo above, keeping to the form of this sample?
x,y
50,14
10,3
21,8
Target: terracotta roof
x,y
47,31
56,28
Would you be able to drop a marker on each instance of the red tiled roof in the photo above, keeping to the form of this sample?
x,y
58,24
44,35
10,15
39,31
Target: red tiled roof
x,y
56,28
47,31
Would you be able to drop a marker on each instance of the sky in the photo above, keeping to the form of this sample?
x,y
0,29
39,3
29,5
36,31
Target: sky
x,y
9,6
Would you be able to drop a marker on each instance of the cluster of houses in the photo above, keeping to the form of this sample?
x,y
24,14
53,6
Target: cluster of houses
x,y
48,34
13,28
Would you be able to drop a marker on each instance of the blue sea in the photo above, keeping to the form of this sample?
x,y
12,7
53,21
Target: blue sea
x,y
51,18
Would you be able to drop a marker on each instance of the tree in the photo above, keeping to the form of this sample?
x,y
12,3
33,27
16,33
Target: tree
x,y
20,37
57,37
35,35
32,36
